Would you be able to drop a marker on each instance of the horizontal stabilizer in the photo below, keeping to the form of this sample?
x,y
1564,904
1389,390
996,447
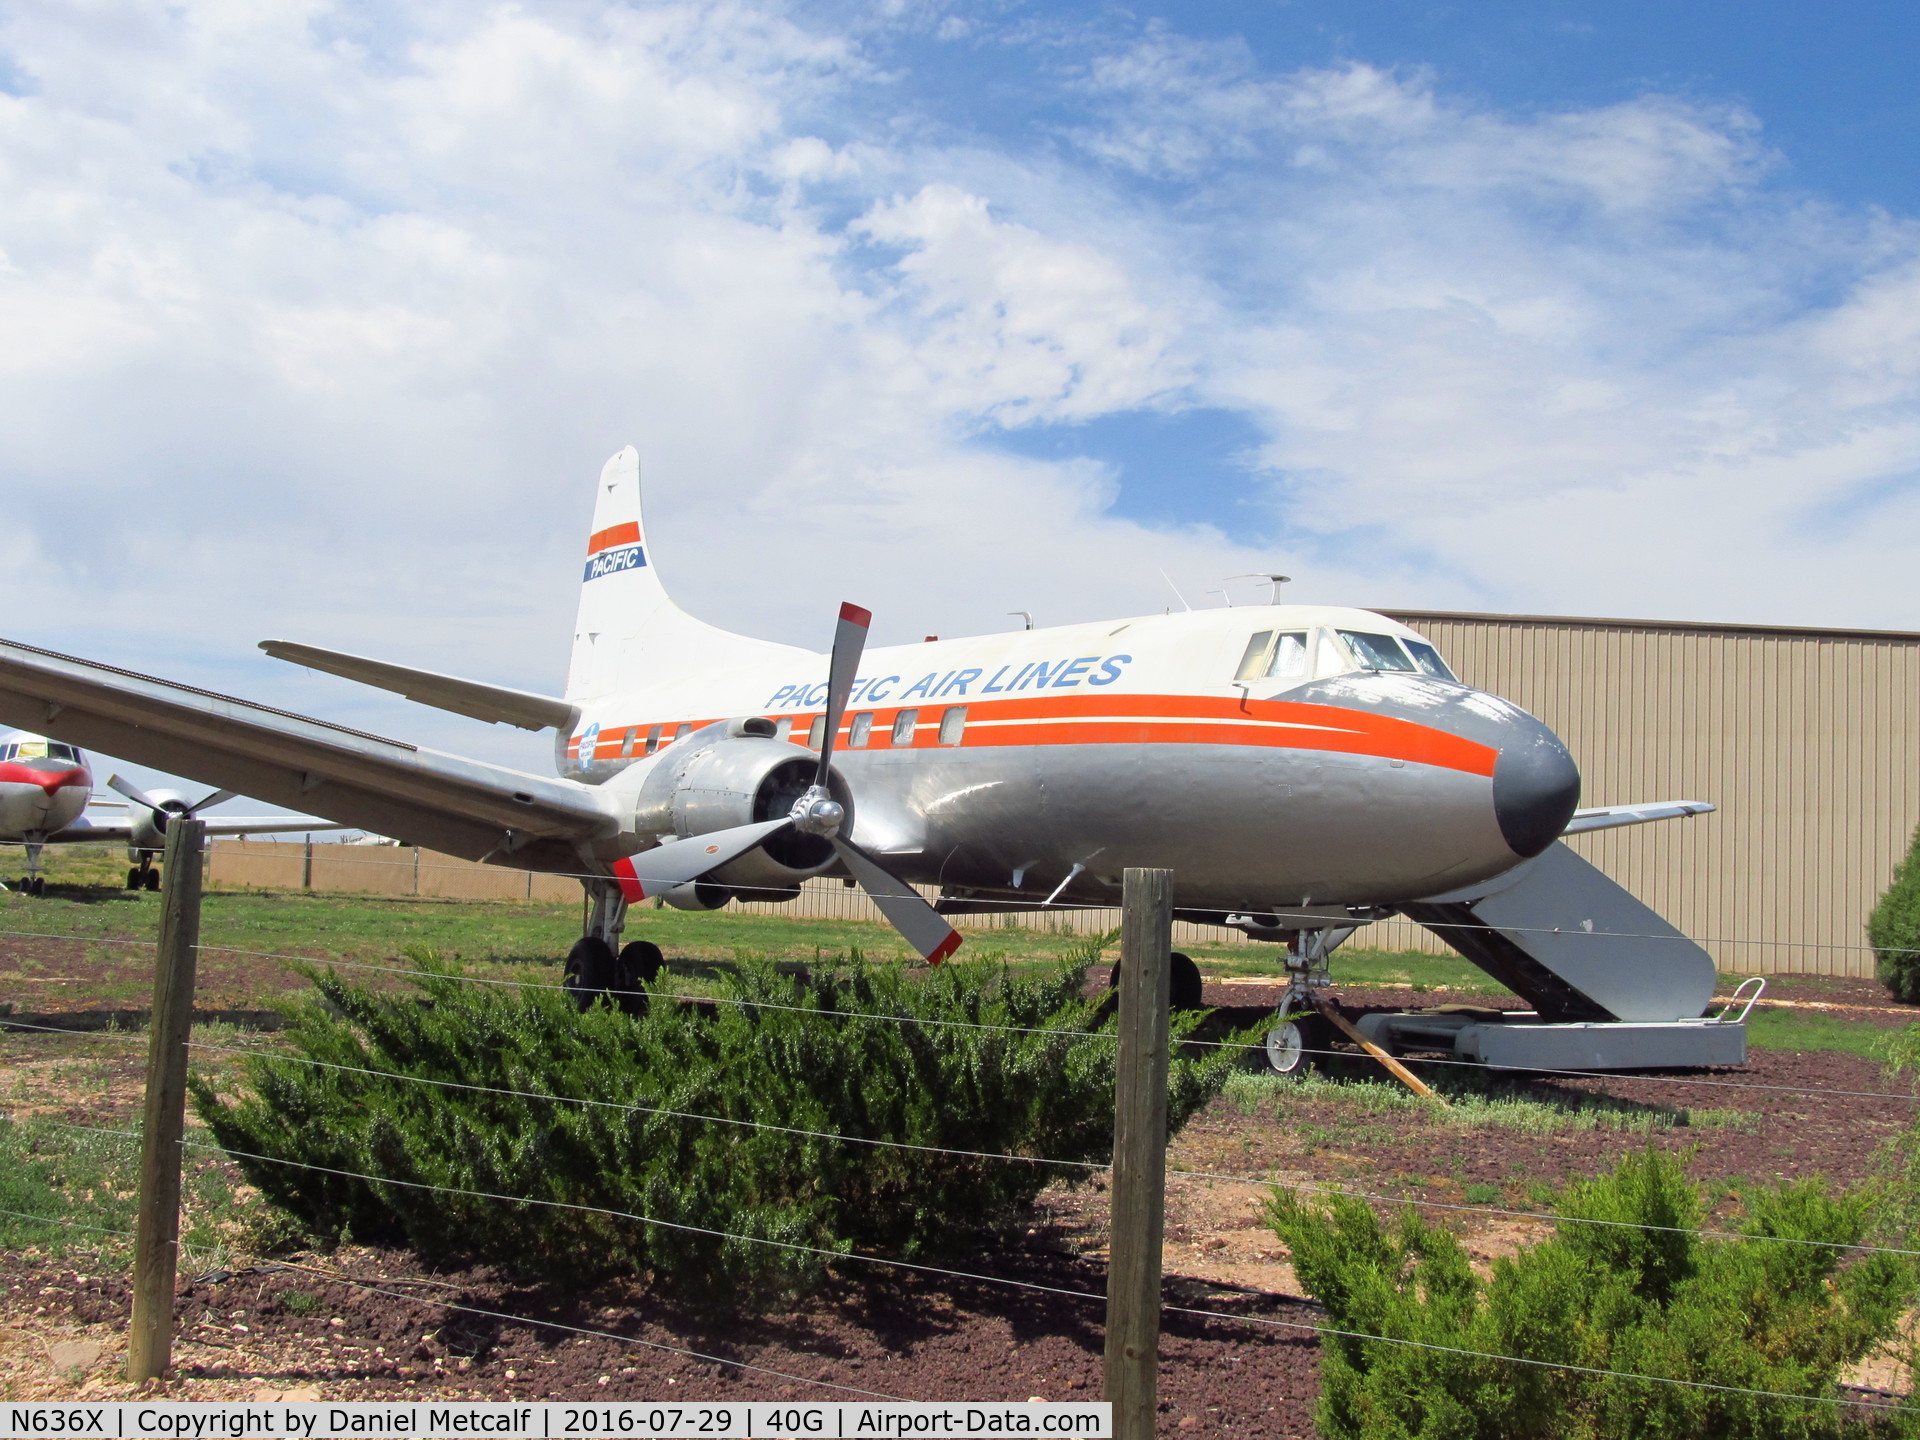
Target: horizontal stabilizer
x,y
496,704
1610,817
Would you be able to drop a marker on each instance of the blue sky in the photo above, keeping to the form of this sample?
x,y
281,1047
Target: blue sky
x,y
950,309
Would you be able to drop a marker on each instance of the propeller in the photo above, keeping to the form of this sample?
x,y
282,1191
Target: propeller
x,y
814,813
163,810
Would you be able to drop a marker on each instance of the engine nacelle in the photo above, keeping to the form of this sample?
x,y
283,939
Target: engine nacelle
x,y
149,831
734,772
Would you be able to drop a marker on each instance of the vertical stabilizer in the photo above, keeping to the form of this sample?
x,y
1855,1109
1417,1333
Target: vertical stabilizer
x,y
629,633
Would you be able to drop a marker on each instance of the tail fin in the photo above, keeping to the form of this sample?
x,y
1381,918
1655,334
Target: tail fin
x,y
629,633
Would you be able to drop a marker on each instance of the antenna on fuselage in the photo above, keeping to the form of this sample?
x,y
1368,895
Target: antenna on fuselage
x,y
1176,590
1273,579
1026,615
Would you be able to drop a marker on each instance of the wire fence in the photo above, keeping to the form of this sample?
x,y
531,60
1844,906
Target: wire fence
x,y
838,1256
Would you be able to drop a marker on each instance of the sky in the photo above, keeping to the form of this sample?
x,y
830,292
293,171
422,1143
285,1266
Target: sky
x,y
317,320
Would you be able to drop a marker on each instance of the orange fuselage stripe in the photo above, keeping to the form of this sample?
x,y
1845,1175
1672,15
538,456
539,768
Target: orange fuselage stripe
x,y
1158,720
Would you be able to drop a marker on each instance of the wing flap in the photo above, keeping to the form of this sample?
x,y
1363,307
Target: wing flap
x,y
360,780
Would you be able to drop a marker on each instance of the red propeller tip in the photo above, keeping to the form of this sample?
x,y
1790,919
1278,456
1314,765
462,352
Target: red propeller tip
x,y
947,947
850,611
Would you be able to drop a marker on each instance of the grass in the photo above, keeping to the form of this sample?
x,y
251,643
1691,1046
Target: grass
x,y
1473,1103
85,903
1816,1030
521,940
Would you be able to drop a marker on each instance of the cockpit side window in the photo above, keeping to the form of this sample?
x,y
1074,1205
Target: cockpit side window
x,y
1377,652
56,751
1289,660
1331,657
1255,659
1428,659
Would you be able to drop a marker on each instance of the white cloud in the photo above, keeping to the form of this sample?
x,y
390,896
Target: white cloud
x,y
345,319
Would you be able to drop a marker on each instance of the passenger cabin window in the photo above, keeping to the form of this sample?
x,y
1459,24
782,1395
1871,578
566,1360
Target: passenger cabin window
x,y
1289,657
653,739
817,732
782,727
953,725
626,743
1428,659
903,724
1377,652
861,728
1255,659
683,729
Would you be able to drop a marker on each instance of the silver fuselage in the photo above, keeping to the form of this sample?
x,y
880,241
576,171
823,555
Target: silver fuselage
x,y
1087,749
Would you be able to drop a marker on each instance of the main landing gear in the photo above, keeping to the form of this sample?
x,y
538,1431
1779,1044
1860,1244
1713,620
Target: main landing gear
x,y
1183,982
599,966
144,874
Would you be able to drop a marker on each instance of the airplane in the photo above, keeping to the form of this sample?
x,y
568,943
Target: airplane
x,y
1303,769
47,785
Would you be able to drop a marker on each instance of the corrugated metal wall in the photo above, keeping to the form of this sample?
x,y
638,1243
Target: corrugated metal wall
x,y
1808,741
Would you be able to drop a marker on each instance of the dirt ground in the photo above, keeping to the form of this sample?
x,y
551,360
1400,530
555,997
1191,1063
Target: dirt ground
x,y
363,1324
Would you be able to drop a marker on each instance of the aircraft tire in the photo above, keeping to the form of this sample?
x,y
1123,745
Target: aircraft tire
x,y
1183,977
590,970
1296,1047
37,886
639,964
153,879
133,878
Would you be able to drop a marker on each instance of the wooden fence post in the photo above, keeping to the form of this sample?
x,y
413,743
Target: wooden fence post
x,y
157,1232
306,865
1138,1200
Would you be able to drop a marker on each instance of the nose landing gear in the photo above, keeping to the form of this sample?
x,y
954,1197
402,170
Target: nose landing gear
x,y
1298,1043
33,882
143,874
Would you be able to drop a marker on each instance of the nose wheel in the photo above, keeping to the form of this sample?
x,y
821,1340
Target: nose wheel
x,y
1297,1045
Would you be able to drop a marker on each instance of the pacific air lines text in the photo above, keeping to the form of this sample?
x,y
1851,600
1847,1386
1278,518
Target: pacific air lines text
x,y
935,685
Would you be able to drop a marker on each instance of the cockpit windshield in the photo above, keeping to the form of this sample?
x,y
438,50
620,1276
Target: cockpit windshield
x,y
1428,659
39,750
1377,652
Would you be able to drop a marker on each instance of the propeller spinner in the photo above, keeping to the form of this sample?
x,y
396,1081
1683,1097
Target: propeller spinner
x,y
815,813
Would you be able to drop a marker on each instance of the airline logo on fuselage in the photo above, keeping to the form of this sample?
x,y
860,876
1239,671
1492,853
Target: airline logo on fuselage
x,y
1062,674
612,562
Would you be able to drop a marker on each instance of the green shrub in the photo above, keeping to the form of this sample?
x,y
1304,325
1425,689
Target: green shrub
x,y
1894,929
824,1054
1758,1314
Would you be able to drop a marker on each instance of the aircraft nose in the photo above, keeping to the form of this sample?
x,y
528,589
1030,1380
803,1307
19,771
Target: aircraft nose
x,y
1536,788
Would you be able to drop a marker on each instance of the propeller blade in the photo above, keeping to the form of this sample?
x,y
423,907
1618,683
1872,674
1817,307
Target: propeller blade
x,y
218,797
133,792
849,639
918,922
653,872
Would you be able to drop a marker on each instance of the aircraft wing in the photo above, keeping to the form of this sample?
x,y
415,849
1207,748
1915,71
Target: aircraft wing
x,y
463,807
1609,817
116,832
